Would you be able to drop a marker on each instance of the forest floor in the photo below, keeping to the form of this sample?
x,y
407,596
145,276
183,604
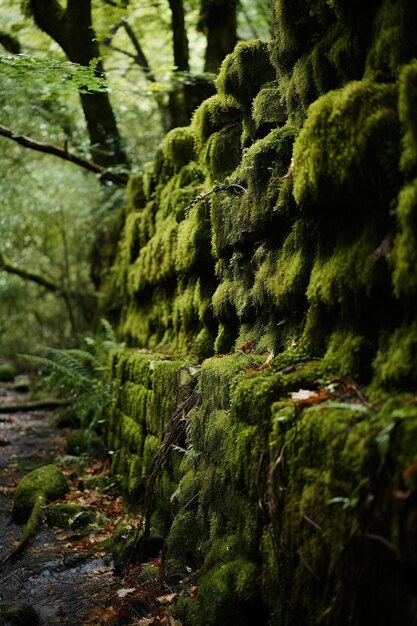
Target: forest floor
x,y
66,574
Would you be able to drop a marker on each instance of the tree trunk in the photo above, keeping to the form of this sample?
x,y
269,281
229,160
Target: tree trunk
x,y
179,33
218,20
72,29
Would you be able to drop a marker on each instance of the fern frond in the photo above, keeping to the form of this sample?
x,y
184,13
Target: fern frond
x,y
71,363
109,334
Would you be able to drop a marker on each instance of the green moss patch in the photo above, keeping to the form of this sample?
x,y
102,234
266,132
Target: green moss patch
x,y
45,483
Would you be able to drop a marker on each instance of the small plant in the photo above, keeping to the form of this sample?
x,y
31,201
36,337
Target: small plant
x,y
81,376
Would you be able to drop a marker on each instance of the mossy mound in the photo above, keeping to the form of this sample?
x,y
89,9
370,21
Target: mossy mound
x,y
85,442
8,372
45,483
18,615
68,514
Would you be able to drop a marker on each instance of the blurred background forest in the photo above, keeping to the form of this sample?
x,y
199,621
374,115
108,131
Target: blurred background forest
x,y
105,80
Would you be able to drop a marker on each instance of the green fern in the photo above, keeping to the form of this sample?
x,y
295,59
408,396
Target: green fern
x,y
81,376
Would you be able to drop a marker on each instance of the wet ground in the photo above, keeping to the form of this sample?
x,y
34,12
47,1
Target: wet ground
x,y
62,575
66,574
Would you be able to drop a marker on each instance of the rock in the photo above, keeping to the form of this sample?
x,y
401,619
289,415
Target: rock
x,y
47,481
62,515
85,442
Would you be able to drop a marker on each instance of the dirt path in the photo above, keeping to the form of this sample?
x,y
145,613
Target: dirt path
x,y
66,573
59,574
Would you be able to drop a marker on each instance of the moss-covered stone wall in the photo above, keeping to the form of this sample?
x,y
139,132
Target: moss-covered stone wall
x,y
319,250
278,232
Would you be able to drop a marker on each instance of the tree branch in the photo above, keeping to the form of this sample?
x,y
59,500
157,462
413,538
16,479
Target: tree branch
x,y
32,276
62,153
140,57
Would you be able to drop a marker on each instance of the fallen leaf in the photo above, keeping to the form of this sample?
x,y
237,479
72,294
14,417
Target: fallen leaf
x,y
167,598
306,396
192,591
122,593
104,616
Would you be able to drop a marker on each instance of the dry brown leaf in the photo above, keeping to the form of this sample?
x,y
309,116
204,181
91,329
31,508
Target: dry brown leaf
x,y
122,593
306,396
103,616
167,598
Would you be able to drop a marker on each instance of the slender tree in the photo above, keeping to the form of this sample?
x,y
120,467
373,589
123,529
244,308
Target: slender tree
x,y
73,31
218,20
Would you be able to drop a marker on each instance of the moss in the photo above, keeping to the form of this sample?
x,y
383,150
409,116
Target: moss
x,y
178,147
131,434
223,152
407,101
237,218
69,514
393,42
227,594
85,442
211,117
267,109
395,363
193,241
156,261
136,192
217,378
243,72
183,544
282,277
133,399
8,372
349,138
122,543
18,615
346,352
404,254
47,482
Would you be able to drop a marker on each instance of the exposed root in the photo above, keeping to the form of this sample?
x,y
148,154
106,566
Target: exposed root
x,y
29,529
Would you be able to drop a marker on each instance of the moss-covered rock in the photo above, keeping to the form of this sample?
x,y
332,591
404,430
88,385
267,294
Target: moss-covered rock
x,y
46,483
85,442
8,372
63,515
18,615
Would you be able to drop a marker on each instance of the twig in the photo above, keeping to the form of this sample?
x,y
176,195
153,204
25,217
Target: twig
x,y
304,562
382,540
176,431
233,188
261,496
313,523
185,507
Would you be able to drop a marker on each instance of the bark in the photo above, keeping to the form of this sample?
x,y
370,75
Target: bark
x,y
72,29
179,33
218,19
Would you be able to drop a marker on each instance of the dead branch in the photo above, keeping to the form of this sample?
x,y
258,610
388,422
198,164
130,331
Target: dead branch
x,y
37,405
175,433
63,153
